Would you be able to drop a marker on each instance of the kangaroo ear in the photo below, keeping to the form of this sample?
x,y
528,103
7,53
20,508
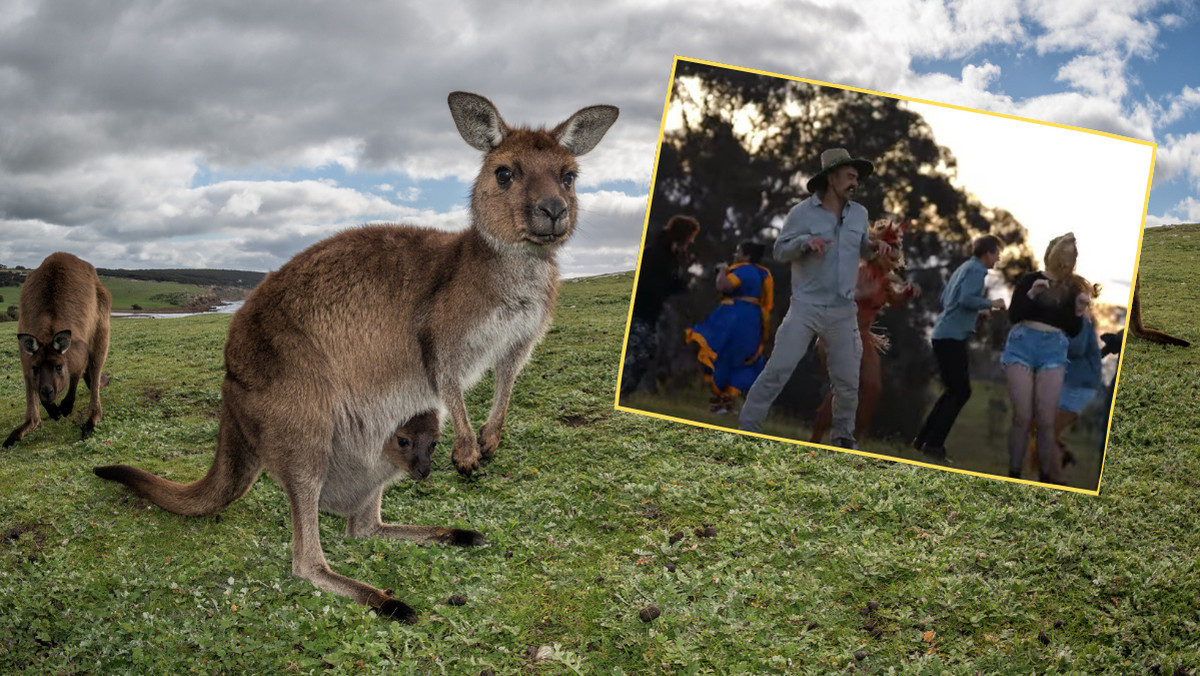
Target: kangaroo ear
x,y
29,344
583,130
61,342
477,120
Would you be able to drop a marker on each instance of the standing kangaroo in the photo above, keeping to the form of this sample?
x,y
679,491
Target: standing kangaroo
x,y
384,325
63,333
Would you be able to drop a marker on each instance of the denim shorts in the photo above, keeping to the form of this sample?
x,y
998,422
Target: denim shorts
x,y
1035,349
1073,399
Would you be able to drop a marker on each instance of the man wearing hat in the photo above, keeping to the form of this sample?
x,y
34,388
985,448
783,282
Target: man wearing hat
x,y
824,237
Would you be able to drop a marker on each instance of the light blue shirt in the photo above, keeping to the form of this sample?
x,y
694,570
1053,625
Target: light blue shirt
x,y
1083,359
828,278
962,300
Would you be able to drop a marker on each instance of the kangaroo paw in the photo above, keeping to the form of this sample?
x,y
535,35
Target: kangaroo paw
x,y
461,537
489,441
391,609
466,458
87,429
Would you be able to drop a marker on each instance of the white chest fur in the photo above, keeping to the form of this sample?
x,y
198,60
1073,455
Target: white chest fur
x,y
516,323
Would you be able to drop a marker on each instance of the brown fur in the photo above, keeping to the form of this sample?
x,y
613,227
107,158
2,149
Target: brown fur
x,y
387,324
1138,329
63,333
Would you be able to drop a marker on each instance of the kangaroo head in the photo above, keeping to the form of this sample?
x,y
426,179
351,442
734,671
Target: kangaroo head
x,y
525,191
48,365
411,447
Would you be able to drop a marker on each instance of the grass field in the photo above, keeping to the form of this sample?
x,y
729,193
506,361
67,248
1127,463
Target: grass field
x,y
978,441
125,293
818,562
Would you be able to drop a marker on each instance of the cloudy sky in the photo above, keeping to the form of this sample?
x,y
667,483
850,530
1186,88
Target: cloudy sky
x,y
233,134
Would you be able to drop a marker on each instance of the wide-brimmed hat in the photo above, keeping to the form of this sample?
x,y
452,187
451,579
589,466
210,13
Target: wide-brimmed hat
x,y
832,159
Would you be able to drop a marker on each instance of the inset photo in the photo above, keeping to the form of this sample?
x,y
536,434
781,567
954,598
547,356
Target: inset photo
x,y
884,275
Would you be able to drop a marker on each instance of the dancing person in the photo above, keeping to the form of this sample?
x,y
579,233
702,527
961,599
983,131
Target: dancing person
x,y
1046,311
662,273
963,299
732,337
823,238
1081,383
879,285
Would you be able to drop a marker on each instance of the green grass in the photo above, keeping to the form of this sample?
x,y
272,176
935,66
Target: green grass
x,y
125,293
978,440
579,506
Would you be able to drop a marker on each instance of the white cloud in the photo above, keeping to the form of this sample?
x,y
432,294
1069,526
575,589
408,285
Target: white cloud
x,y
1186,211
1098,74
1088,24
1179,106
1178,156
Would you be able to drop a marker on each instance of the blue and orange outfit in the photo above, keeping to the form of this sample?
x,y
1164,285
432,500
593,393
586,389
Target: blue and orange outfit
x,y
732,337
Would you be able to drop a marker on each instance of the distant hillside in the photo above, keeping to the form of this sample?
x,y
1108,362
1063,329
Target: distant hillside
x,y
242,279
158,290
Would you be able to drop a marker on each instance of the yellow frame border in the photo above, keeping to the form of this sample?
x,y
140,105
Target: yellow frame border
x,y
642,248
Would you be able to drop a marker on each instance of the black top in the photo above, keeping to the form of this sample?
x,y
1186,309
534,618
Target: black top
x,y
1054,306
662,273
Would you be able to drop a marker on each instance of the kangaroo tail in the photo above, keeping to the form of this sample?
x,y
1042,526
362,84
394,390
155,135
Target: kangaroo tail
x,y
1156,336
233,471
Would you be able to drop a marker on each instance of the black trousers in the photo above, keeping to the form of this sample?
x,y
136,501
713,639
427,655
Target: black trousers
x,y
952,361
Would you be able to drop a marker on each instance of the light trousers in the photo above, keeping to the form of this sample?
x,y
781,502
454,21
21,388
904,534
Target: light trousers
x,y
837,325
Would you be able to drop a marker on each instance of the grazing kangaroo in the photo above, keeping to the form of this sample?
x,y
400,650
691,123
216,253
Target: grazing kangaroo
x,y
1138,329
63,333
386,325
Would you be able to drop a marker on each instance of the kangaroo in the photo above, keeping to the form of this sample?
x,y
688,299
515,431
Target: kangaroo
x,y
1138,329
382,325
63,333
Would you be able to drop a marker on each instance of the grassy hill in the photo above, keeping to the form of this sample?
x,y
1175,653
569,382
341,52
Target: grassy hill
x,y
818,562
156,289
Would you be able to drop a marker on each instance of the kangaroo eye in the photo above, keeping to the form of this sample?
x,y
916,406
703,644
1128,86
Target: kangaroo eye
x,y
568,179
58,369
504,176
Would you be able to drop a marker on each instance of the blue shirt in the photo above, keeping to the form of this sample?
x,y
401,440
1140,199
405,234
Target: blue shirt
x,y
962,300
828,278
1083,359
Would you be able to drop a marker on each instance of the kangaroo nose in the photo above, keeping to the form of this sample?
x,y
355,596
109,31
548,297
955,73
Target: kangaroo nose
x,y
47,394
553,210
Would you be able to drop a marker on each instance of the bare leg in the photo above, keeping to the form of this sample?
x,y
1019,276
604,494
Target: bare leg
x,y
1020,392
1048,385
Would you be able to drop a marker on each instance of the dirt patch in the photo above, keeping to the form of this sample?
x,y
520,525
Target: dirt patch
x,y
25,539
579,419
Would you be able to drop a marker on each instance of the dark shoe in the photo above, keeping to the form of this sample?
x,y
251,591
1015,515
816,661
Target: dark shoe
x,y
935,452
847,444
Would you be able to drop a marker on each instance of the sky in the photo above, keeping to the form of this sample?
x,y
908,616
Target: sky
x,y
233,134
